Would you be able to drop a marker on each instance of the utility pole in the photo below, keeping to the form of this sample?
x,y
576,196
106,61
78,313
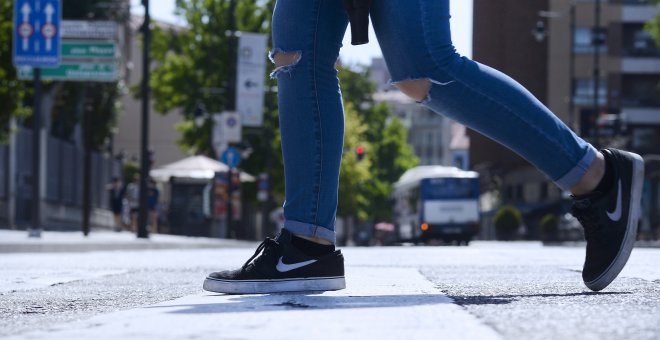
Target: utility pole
x,y
231,106
36,152
596,73
142,231
571,97
87,160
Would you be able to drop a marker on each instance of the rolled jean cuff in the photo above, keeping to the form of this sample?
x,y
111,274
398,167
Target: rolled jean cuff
x,y
574,176
310,230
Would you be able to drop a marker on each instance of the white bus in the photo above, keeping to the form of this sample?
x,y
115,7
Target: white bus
x,y
437,202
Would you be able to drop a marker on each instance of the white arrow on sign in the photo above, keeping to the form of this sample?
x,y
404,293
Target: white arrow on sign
x,y
49,29
25,10
50,10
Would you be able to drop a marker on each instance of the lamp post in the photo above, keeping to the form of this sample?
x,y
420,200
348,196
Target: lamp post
x,y
540,33
596,36
142,231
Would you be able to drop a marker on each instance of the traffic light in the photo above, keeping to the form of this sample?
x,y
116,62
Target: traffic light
x,y
359,153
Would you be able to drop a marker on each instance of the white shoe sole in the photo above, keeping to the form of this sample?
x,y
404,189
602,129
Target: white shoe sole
x,y
274,286
630,237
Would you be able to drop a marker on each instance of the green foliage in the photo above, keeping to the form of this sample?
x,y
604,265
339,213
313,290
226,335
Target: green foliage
x,y
12,91
388,153
194,64
353,194
193,68
507,221
100,100
550,227
131,169
653,27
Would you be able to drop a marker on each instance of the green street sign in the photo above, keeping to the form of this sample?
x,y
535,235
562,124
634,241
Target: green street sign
x,y
86,49
99,72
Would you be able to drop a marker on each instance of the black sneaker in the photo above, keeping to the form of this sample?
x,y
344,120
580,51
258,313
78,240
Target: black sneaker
x,y
277,266
610,219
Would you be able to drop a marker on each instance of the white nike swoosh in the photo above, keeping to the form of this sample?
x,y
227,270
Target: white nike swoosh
x,y
616,214
283,267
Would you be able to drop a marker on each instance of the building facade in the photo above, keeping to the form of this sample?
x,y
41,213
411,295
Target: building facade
x,y
553,48
435,139
163,134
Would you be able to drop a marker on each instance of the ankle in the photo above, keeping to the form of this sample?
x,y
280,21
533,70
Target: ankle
x,y
591,178
311,248
314,239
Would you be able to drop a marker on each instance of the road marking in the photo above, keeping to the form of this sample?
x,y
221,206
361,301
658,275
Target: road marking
x,y
379,303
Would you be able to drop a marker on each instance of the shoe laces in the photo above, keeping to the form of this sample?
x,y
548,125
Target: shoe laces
x,y
588,217
266,246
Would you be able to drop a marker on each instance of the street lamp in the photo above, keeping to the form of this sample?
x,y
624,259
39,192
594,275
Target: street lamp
x,y
142,231
540,33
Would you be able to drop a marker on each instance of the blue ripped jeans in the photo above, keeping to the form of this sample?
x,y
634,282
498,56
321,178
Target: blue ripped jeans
x,y
416,42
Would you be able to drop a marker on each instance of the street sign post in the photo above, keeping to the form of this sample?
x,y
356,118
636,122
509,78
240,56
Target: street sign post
x,y
37,44
37,33
231,157
99,72
88,49
250,72
97,29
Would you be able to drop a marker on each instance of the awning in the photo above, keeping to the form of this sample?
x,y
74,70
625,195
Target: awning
x,y
199,167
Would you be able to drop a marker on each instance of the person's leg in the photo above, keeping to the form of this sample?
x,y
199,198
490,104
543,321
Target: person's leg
x,y
416,42
153,217
307,36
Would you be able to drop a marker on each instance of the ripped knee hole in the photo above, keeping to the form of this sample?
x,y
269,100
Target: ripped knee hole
x,y
284,61
417,89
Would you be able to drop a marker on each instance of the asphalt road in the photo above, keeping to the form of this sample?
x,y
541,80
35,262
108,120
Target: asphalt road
x,y
513,290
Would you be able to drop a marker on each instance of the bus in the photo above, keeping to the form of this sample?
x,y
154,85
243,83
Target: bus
x,y
436,203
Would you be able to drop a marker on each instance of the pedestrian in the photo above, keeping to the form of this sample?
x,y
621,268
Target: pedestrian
x,y
116,193
133,200
415,39
153,195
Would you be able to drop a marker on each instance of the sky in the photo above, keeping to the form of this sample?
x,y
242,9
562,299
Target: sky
x,y
461,11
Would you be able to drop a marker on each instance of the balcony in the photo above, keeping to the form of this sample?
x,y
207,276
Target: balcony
x,y
638,11
641,116
647,65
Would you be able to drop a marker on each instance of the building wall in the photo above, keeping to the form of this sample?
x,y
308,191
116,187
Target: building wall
x,y
503,39
163,135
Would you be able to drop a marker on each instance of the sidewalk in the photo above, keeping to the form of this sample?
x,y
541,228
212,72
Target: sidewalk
x,y
17,241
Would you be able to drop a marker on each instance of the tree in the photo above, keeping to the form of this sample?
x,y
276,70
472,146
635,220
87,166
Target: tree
x,y
354,174
389,153
12,91
193,63
653,26
507,220
101,98
193,68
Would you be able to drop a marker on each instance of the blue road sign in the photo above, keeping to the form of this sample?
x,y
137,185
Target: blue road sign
x,y
37,33
231,157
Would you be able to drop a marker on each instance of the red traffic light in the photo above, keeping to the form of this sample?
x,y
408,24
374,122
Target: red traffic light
x,y
359,153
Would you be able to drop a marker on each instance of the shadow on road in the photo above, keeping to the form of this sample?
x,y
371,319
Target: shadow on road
x,y
284,302
506,299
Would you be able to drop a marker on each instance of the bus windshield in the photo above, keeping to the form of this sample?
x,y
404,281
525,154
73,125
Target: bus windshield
x,y
449,188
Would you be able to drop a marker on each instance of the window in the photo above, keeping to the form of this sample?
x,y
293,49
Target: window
x,y
644,138
585,39
584,92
